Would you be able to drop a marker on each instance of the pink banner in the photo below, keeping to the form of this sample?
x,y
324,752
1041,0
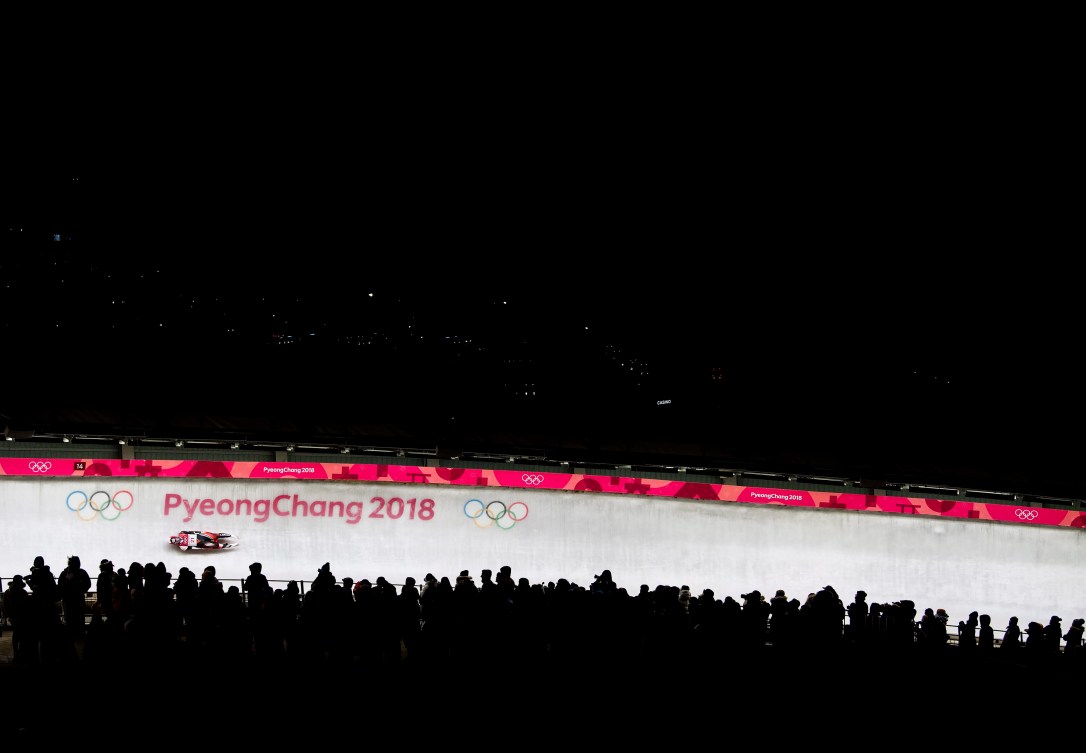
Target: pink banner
x,y
573,482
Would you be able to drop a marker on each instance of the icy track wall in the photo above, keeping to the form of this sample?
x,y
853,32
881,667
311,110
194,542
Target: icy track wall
x,y
410,521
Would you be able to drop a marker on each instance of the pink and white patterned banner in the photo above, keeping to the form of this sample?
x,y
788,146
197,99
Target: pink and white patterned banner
x,y
513,479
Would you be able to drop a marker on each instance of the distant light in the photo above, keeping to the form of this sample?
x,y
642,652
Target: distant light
x,y
121,441
178,443
65,440
371,295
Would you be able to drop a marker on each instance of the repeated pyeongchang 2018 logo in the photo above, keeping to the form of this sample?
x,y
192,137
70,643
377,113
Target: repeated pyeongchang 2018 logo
x,y
495,514
1026,514
99,504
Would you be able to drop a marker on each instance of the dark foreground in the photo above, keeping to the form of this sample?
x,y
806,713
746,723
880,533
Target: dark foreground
x,y
503,701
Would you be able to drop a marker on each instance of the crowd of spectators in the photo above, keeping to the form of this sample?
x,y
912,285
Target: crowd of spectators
x,y
145,615
144,622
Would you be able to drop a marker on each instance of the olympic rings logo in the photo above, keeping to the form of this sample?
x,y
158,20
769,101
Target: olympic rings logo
x,y
99,503
496,513
532,479
39,466
1026,514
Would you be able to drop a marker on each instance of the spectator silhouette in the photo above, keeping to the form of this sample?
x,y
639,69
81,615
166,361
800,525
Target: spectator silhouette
x,y
257,589
858,616
705,620
942,619
135,577
641,609
207,612
1035,642
74,583
103,588
409,616
365,622
1073,640
428,582
506,586
489,599
986,635
1012,635
291,620
602,583
325,580
1053,634
465,615
806,612
386,623
44,616
901,623
160,613
778,615
435,609
967,632
755,625
684,598
828,616
185,589
731,625
17,612
234,639
933,632
318,616
345,637
260,614
122,599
